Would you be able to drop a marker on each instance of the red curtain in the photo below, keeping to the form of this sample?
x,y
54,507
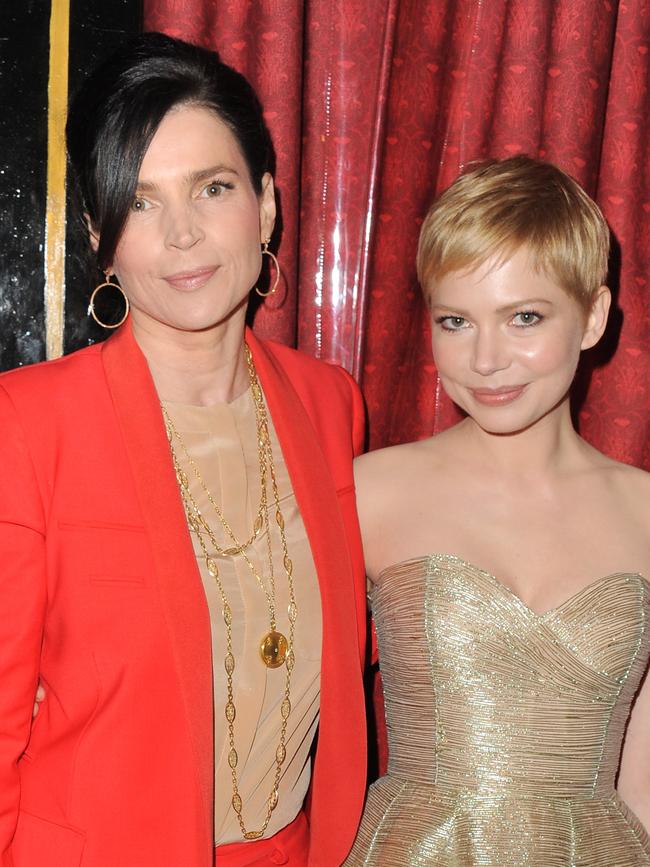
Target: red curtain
x,y
375,106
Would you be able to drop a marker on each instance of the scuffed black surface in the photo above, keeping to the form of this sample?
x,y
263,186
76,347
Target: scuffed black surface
x,y
24,40
96,28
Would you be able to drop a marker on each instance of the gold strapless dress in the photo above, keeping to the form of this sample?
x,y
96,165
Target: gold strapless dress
x,y
504,726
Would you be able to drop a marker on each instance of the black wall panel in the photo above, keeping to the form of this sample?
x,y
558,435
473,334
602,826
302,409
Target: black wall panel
x,y
96,28
24,40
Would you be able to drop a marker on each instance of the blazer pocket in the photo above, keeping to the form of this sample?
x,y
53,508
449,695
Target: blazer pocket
x,y
39,841
106,554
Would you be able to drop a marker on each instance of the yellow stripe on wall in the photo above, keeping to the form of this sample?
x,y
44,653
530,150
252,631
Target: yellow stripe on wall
x,y
57,96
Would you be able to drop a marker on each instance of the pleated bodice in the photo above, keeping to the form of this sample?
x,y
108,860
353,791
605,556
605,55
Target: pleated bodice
x,y
504,726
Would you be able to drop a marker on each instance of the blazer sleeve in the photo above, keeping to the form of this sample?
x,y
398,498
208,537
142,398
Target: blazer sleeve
x,y
358,418
347,502
22,607
357,413
359,446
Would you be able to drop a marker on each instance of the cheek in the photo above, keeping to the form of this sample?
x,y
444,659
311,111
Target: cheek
x,y
122,261
551,352
237,240
449,353
122,267
131,253
240,221
251,232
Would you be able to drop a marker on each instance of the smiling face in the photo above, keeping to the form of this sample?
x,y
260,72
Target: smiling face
x,y
506,341
190,251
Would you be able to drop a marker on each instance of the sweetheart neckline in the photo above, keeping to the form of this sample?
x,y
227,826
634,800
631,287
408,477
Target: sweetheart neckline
x,y
501,585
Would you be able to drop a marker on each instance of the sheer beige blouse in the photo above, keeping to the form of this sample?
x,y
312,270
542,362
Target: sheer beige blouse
x,y
222,440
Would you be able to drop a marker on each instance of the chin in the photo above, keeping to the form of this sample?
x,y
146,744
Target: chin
x,y
509,421
503,429
501,420
201,320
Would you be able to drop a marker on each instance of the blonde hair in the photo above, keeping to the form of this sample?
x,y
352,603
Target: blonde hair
x,y
501,205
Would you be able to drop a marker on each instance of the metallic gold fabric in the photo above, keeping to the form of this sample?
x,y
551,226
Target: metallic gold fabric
x,y
504,726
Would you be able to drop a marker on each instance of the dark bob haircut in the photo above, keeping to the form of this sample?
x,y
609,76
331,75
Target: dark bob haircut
x,y
116,113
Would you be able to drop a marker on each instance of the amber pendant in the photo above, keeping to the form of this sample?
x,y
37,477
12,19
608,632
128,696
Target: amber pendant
x,y
273,649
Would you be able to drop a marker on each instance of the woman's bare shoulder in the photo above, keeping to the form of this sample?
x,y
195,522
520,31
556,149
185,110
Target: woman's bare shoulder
x,y
621,473
406,454
627,483
397,469
635,482
391,459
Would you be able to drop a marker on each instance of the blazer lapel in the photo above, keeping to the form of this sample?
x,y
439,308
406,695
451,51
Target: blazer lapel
x,y
179,583
316,496
341,688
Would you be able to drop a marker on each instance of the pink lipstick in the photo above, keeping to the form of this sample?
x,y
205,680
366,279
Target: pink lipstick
x,y
498,396
188,280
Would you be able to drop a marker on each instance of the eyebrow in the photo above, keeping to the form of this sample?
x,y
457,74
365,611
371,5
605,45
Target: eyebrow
x,y
191,178
525,302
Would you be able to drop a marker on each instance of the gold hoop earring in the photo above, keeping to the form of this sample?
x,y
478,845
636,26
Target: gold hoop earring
x,y
91,303
272,290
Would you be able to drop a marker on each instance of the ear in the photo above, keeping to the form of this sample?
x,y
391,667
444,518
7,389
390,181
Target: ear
x,y
267,207
596,318
93,237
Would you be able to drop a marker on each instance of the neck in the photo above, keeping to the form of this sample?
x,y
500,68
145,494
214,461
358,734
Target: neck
x,y
547,448
200,368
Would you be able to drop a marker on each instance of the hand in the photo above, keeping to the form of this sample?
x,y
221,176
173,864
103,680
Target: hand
x,y
40,695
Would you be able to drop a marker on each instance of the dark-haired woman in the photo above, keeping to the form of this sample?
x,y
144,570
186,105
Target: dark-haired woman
x,y
179,554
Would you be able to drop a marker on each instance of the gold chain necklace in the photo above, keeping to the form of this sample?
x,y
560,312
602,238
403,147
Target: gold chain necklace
x,y
200,526
258,524
275,649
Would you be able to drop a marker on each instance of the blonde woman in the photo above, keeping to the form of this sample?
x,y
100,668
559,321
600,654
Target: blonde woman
x,y
510,559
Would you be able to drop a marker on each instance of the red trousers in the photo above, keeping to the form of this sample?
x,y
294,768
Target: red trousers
x,y
289,846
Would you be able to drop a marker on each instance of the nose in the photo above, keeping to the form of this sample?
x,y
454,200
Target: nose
x,y
182,228
489,352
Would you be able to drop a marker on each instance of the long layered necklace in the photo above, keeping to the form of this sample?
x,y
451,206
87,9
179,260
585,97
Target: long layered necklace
x,y
275,648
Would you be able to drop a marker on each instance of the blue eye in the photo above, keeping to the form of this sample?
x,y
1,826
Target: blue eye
x,y
526,318
452,323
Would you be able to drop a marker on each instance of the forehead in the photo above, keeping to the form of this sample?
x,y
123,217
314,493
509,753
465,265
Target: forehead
x,y
190,137
497,282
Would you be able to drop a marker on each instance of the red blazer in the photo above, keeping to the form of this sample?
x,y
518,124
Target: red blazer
x,y
100,594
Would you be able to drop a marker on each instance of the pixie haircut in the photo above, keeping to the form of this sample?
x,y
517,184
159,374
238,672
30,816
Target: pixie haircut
x,y
501,205
116,113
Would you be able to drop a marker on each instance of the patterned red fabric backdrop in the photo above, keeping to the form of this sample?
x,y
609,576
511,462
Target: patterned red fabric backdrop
x,y
375,106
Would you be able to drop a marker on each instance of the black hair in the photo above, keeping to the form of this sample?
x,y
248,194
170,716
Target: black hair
x,y
117,111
